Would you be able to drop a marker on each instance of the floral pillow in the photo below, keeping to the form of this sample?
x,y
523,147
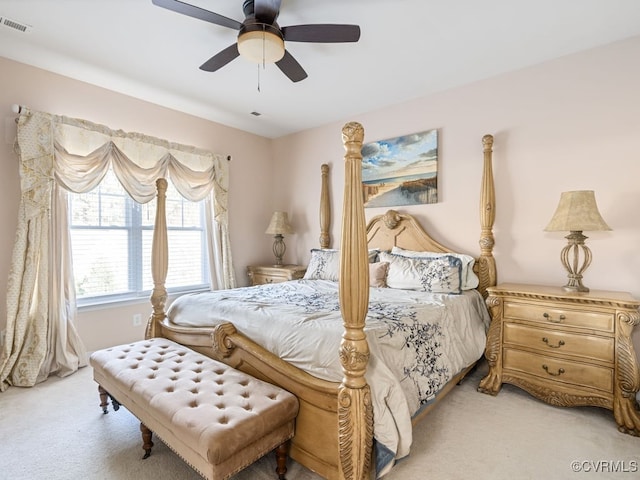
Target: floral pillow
x,y
469,278
325,264
440,274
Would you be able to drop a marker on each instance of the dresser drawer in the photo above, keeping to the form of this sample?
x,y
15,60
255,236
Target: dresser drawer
x,y
556,315
261,274
559,370
560,342
261,279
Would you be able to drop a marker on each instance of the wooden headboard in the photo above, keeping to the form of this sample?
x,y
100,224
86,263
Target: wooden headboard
x,y
394,229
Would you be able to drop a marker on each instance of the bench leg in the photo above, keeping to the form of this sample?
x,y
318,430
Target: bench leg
x,y
147,444
281,459
104,402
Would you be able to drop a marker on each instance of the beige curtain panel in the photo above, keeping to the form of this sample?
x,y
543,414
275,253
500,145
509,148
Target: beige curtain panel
x,y
59,154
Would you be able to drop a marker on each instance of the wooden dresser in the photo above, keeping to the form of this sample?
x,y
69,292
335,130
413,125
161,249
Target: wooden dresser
x,y
261,274
565,348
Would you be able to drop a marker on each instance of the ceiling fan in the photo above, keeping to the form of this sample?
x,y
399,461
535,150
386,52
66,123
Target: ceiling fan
x,y
260,38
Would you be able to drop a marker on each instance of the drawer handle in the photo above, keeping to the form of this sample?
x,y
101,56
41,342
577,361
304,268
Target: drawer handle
x,y
560,371
268,280
551,319
546,340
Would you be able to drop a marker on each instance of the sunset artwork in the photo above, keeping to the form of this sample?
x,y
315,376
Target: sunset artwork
x,y
401,171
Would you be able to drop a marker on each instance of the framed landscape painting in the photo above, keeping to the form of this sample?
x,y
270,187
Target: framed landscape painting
x,y
401,171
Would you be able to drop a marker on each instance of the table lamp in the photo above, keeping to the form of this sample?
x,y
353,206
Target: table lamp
x,y
576,212
278,226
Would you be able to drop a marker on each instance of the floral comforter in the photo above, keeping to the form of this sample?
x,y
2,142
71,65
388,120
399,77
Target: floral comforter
x,y
418,341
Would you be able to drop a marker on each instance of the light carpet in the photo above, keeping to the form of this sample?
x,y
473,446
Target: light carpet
x,y
56,431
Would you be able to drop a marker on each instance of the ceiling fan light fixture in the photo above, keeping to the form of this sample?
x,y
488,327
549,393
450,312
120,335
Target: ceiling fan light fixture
x,y
261,46
260,38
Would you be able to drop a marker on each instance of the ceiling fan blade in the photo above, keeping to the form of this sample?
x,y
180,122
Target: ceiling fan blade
x,y
197,12
221,58
291,68
321,33
266,11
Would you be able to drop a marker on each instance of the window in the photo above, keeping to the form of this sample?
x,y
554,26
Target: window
x,y
111,238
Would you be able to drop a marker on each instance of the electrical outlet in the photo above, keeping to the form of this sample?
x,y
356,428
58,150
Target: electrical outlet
x,y
137,320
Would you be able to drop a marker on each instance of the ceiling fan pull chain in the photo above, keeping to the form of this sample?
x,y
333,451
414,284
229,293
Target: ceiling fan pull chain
x,y
263,46
263,54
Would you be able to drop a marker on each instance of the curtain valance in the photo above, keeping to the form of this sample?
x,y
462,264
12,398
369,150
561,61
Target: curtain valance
x,y
84,151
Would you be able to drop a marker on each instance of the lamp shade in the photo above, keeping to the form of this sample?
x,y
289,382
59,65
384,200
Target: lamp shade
x,y
279,224
577,212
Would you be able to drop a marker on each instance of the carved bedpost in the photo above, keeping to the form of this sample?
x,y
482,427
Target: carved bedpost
x,y
487,263
355,411
159,261
325,211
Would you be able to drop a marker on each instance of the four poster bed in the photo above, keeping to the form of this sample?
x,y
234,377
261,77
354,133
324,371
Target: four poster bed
x,y
341,413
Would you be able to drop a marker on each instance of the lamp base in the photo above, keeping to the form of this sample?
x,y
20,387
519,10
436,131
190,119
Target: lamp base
x,y
579,288
570,257
278,249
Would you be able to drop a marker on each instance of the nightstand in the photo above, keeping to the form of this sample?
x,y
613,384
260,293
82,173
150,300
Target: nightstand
x,y
565,348
261,274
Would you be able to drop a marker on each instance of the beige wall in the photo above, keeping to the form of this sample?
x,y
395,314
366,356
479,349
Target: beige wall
x,y
563,125
569,124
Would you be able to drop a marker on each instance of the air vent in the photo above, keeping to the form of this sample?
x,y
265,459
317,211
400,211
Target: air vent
x,y
12,24
256,114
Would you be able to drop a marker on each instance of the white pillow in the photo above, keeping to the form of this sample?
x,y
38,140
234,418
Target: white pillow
x,y
469,278
325,264
440,274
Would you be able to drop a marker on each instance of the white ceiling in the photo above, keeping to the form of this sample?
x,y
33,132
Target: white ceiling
x,y
408,49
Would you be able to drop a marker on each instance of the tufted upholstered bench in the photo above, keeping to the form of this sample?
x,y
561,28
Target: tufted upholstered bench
x,y
218,419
